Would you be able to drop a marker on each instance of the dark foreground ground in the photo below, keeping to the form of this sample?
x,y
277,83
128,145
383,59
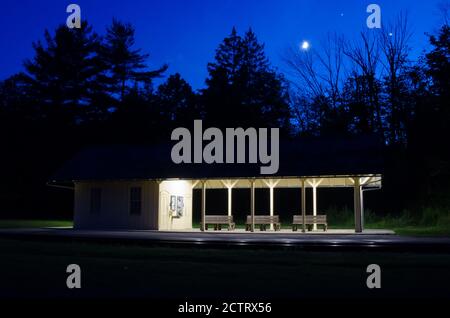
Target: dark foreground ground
x,y
37,270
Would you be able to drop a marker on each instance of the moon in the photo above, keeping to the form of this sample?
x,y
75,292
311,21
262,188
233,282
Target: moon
x,y
305,45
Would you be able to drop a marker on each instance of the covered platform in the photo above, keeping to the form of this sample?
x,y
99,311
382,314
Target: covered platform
x,y
359,183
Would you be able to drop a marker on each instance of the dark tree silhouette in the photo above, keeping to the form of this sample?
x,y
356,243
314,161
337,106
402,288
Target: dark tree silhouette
x,y
177,102
433,113
126,65
439,64
65,76
359,92
242,82
394,45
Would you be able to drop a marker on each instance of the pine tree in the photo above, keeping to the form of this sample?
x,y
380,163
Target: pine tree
x,y
65,75
242,89
126,65
177,102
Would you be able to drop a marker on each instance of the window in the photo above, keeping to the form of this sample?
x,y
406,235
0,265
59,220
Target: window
x,y
96,200
135,200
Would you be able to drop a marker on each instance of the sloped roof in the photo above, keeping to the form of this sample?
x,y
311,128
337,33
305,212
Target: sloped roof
x,y
300,157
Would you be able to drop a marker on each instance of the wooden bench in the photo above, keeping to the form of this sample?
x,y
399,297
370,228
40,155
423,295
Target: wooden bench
x,y
263,221
218,221
310,220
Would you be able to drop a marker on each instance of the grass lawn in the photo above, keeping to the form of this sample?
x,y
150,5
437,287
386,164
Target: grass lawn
x,y
415,230
12,224
38,270
34,269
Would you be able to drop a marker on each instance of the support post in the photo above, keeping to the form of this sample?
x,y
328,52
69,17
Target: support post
x,y
314,206
203,225
271,206
252,204
229,185
229,200
271,184
358,206
303,206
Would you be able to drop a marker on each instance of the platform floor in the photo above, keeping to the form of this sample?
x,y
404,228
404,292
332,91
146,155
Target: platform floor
x,y
289,231
333,240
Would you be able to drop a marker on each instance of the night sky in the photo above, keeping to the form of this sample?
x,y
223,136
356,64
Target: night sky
x,y
185,34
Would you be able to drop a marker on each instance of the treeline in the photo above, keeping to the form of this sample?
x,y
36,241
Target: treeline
x,y
370,85
85,81
82,88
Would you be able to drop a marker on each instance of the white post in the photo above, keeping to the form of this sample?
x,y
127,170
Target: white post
x,y
203,227
303,205
229,200
271,206
271,184
314,205
252,204
229,185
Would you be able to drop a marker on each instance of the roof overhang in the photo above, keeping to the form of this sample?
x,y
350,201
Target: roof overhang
x,y
326,181
319,181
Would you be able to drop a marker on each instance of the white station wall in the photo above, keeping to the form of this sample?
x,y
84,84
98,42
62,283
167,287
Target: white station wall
x,y
115,206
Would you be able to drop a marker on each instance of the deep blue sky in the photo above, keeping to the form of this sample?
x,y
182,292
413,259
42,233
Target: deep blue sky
x,y
185,33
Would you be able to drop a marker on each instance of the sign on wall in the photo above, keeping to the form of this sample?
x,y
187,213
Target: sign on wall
x,y
176,207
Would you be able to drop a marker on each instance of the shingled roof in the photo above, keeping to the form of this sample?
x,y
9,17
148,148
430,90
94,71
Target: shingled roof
x,y
300,157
